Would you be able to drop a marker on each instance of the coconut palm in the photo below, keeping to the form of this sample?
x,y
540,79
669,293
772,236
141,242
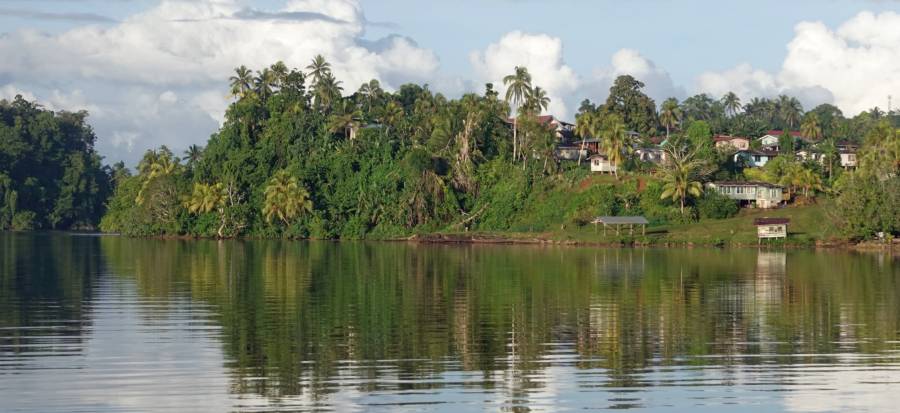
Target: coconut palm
x,y
585,124
615,139
370,92
680,176
810,127
280,73
207,198
538,100
327,90
390,114
790,110
263,83
241,82
193,155
518,89
670,114
285,198
344,118
810,181
319,68
732,104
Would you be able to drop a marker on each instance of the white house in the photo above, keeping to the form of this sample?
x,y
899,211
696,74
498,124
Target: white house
x,y
754,194
601,163
755,159
848,159
653,155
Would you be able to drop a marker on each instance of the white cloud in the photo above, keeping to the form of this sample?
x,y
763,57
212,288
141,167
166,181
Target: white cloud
x,y
541,54
129,72
854,67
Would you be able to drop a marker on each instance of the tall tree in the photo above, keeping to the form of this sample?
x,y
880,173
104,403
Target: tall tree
x,y
670,114
241,82
518,90
681,175
285,199
627,99
810,127
732,104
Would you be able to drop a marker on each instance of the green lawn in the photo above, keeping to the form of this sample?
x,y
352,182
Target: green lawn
x,y
808,224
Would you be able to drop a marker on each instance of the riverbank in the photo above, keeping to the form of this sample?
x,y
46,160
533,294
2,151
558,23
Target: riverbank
x,y
810,227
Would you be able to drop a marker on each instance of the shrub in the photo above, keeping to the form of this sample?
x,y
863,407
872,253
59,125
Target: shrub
x,y
713,205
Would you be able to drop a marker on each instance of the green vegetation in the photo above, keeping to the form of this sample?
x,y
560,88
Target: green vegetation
x,y
296,158
50,175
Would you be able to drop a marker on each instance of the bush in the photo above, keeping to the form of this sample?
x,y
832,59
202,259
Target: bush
x,y
713,205
24,221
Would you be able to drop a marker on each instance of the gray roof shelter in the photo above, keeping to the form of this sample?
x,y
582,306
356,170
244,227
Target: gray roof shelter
x,y
618,222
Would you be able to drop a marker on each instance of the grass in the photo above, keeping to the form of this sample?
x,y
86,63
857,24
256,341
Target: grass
x,y
809,223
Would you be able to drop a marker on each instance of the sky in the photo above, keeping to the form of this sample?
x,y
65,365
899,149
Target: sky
x,y
154,72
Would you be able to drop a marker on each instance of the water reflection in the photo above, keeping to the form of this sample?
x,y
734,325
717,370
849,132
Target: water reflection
x,y
261,326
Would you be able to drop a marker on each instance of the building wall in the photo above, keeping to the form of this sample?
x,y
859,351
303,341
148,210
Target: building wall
x,y
602,165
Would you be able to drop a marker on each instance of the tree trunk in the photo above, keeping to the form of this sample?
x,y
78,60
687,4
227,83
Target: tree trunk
x,y
581,151
682,206
515,136
221,230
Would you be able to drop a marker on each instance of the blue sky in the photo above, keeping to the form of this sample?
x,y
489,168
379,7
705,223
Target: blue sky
x,y
104,55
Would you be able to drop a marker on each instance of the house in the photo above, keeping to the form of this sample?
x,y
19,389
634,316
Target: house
x,y
804,155
601,163
845,145
770,141
565,132
848,158
592,145
652,154
755,159
754,194
570,153
736,142
767,228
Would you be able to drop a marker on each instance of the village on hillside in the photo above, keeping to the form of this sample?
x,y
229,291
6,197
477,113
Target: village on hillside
x,y
746,152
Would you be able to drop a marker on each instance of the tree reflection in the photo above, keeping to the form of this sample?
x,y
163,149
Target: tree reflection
x,y
314,318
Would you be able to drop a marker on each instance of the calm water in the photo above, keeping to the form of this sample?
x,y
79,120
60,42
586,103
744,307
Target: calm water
x,y
107,324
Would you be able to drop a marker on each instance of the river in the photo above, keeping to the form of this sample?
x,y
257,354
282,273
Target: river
x,y
112,324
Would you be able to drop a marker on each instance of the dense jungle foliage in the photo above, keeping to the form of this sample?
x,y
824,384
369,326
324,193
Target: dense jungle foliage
x,y
50,175
292,161
297,158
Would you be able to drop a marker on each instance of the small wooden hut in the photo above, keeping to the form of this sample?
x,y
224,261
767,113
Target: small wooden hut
x,y
771,228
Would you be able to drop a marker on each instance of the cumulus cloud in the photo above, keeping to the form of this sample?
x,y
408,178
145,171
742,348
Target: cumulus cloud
x,y
541,54
855,67
159,77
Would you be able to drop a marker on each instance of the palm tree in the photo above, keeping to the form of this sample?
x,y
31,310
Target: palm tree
x,y
810,181
518,89
732,103
241,82
207,198
615,138
344,119
670,114
327,90
371,93
193,155
538,100
810,127
285,198
280,74
263,83
790,110
319,68
680,177
390,114
829,155
585,125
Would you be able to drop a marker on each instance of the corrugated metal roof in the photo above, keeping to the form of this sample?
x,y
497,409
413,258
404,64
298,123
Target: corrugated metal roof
x,y
771,221
621,220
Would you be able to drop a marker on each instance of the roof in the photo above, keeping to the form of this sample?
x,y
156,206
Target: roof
x,y
621,220
728,138
745,183
776,132
771,221
764,153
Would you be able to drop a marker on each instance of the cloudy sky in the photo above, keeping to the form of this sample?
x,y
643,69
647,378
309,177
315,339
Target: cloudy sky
x,y
154,72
